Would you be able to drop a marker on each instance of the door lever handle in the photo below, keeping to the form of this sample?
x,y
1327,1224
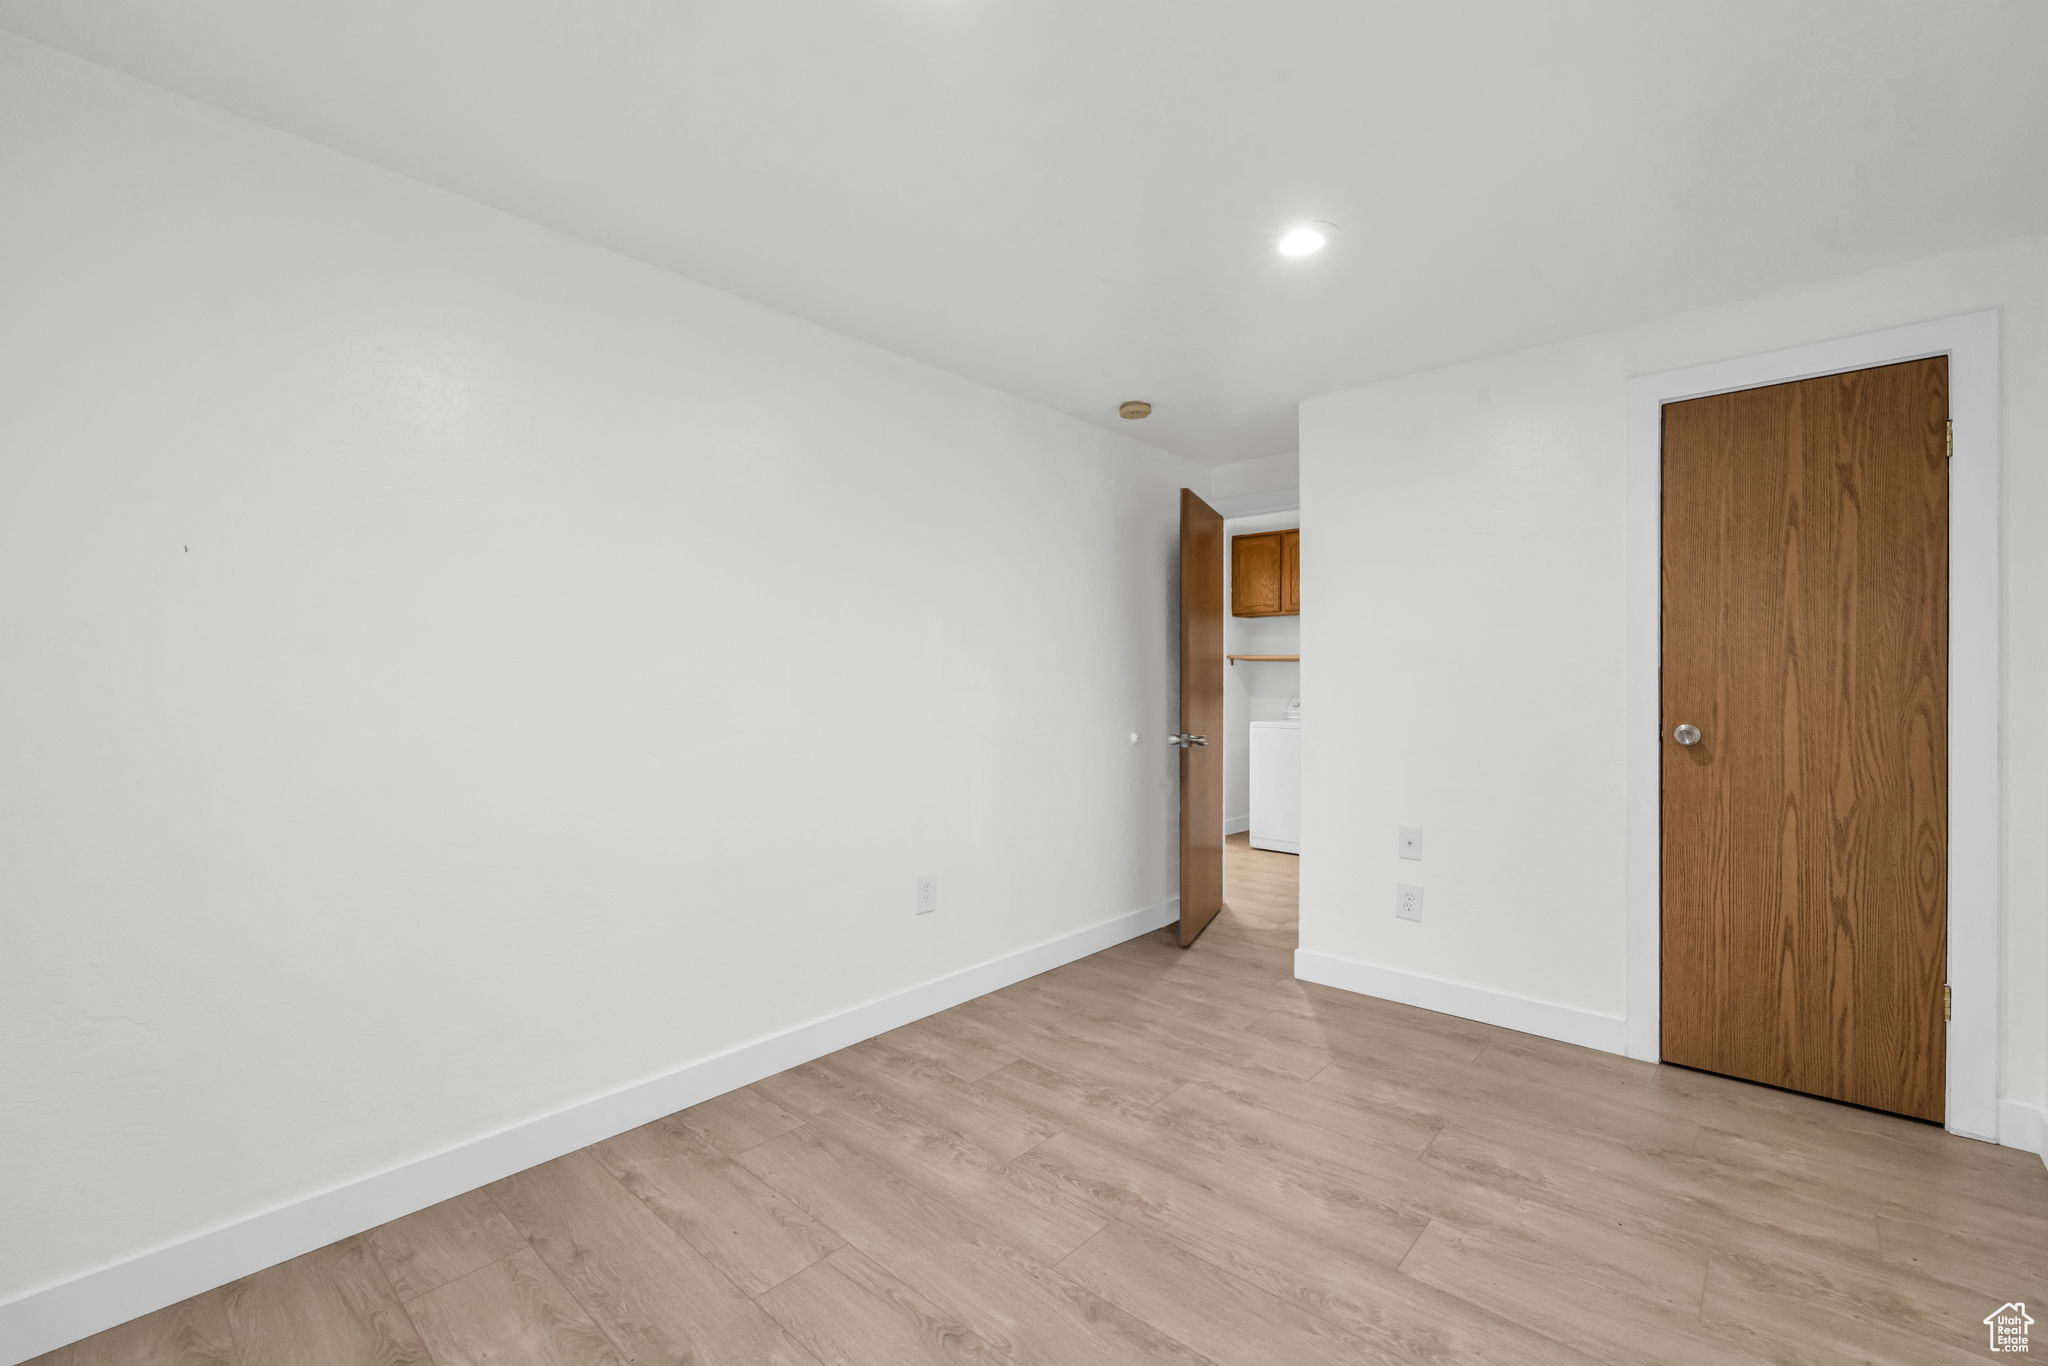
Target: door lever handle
x,y
1687,734
1184,739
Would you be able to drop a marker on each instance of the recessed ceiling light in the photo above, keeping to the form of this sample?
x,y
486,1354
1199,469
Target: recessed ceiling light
x,y
1135,409
1306,240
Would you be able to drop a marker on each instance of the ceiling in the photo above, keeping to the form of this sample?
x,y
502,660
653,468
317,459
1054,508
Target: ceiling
x,y
1076,200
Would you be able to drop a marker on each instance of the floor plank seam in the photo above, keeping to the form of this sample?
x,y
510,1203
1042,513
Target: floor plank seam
x,y
811,1265
526,1246
715,1264
1036,1146
1311,1308
1413,1243
404,1306
1064,1257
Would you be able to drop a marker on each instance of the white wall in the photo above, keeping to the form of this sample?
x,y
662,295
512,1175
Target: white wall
x,y
452,671
1253,691
1245,488
1465,539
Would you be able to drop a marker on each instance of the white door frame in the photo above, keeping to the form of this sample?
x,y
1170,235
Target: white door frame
x,y
1971,342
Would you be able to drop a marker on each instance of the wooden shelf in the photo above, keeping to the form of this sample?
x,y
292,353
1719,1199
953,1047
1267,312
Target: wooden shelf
x,y
1269,659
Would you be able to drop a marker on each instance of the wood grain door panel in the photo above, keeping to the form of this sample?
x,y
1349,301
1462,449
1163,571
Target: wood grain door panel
x,y
1256,573
1290,573
1201,713
1805,625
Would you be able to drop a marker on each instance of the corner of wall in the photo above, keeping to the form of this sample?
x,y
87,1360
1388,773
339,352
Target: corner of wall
x,y
1522,1014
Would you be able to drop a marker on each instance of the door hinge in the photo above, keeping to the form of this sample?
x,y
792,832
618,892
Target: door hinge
x,y
1948,1003
1951,439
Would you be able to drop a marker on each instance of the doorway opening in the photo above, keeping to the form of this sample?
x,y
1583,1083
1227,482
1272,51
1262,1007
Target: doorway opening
x,y
1239,733
1262,722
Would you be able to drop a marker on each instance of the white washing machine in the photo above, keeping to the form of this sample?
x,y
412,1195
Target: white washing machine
x,y
1276,786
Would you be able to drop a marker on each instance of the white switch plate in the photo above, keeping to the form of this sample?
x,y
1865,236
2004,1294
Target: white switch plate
x,y
928,894
1411,842
1408,901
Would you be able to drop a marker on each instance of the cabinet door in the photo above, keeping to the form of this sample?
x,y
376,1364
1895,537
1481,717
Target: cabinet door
x,y
1290,573
1255,575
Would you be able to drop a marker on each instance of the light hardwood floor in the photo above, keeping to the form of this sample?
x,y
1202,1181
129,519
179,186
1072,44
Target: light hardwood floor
x,y
1164,1156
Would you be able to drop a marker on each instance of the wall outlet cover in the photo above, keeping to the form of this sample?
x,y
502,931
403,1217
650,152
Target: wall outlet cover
x,y
928,894
1408,901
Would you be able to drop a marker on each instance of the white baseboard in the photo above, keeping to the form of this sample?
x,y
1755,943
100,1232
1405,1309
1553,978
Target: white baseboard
x,y
1236,825
1278,846
1543,1018
2021,1125
48,1317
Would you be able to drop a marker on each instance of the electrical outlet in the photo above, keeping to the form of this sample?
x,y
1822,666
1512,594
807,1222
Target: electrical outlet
x,y
1411,842
1408,901
928,894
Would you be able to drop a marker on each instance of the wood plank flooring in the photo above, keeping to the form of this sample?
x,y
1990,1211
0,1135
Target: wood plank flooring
x,y
1047,1176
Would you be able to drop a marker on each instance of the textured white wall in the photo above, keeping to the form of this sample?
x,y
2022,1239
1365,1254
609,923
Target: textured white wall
x,y
1271,480
1464,536
451,671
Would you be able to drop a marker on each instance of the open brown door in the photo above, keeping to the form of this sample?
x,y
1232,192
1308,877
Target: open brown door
x,y
1201,716
1805,735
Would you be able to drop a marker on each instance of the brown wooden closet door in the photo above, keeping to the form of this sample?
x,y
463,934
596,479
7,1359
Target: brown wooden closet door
x,y
1805,834
1201,716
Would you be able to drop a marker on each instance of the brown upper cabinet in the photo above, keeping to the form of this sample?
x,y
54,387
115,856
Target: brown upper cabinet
x,y
1265,574
1290,573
